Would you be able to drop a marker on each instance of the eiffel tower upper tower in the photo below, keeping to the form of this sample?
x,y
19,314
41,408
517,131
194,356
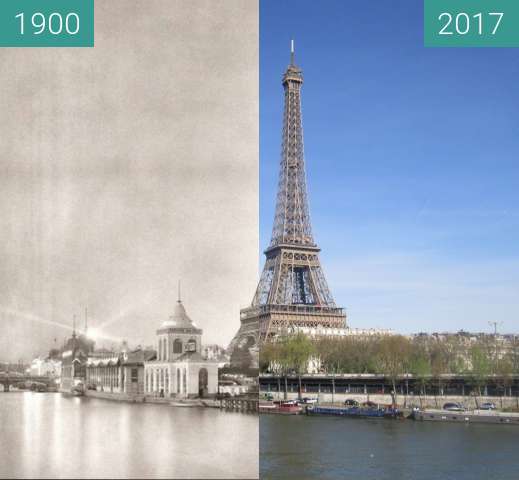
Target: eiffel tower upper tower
x,y
292,291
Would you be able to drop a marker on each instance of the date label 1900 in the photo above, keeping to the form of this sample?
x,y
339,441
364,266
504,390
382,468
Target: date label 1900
x,y
46,23
471,23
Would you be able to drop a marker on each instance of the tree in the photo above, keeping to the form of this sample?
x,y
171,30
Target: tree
x,y
393,359
504,375
347,354
289,353
439,364
268,356
299,349
481,366
421,370
331,351
513,355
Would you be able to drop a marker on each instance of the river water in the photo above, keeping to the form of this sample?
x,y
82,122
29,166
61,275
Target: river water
x,y
302,447
48,435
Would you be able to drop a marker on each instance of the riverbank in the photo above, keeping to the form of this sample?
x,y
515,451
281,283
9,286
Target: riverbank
x,y
403,401
235,404
181,402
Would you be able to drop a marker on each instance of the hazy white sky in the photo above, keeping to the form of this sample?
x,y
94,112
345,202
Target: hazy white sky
x,y
127,167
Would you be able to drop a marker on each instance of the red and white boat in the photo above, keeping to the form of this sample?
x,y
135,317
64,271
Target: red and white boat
x,y
281,407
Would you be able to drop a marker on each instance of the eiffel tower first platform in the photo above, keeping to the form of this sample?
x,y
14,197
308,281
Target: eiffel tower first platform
x,y
292,292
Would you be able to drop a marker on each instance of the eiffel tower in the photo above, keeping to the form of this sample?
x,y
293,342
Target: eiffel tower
x,y
292,291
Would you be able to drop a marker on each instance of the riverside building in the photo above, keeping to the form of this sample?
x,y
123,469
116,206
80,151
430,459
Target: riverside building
x,y
179,369
118,372
74,359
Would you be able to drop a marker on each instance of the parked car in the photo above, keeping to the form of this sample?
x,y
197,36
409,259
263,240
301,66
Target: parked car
x,y
454,407
349,402
487,406
308,400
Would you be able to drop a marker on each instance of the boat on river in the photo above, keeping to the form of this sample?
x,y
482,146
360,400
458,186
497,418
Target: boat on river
x,y
356,411
476,416
281,408
77,392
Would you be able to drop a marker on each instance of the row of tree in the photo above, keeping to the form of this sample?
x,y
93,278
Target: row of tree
x,y
425,357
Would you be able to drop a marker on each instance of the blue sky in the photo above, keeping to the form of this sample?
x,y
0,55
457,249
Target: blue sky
x,y
412,163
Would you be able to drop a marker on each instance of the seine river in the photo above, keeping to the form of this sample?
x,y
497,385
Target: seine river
x,y
301,447
48,435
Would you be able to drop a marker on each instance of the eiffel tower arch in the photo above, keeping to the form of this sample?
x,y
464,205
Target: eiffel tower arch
x,y
292,292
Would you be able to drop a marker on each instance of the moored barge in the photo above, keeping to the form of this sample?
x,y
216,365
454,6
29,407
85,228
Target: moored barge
x,y
362,412
476,416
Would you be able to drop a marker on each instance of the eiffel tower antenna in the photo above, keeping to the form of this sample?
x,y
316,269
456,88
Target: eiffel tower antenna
x,y
292,52
86,320
179,297
74,326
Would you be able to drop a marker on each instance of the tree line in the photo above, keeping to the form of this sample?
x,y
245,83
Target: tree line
x,y
425,357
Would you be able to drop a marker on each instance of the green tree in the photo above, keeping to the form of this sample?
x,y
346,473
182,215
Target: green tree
x,y
504,375
420,367
439,364
299,350
288,354
481,367
349,354
268,357
393,359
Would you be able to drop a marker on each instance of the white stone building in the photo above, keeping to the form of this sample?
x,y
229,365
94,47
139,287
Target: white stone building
x,y
180,370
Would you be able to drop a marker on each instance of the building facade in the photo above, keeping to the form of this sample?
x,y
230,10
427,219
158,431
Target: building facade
x,y
118,372
73,362
179,369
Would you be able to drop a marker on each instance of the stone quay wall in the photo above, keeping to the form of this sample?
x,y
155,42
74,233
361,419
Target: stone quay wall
x,y
430,401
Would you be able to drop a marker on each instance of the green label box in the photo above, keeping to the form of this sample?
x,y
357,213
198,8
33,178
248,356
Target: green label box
x,y
471,23
46,23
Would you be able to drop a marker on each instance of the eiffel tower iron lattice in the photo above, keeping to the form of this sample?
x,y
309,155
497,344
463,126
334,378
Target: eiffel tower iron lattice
x,y
292,291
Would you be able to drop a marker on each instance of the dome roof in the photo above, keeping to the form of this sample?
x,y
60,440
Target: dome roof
x,y
179,319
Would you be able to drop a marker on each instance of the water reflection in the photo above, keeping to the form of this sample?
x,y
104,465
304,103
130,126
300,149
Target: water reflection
x,y
49,435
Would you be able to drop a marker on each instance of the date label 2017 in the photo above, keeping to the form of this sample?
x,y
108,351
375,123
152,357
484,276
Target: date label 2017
x,y
47,23
471,23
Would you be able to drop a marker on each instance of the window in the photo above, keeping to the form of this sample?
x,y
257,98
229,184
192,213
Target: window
x,y
177,346
135,375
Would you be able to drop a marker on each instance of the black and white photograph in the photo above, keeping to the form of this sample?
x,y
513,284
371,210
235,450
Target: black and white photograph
x,y
129,244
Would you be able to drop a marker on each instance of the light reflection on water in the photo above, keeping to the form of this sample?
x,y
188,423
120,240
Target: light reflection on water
x,y
49,435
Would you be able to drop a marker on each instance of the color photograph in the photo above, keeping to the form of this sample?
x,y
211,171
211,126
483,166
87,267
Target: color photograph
x,y
387,303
